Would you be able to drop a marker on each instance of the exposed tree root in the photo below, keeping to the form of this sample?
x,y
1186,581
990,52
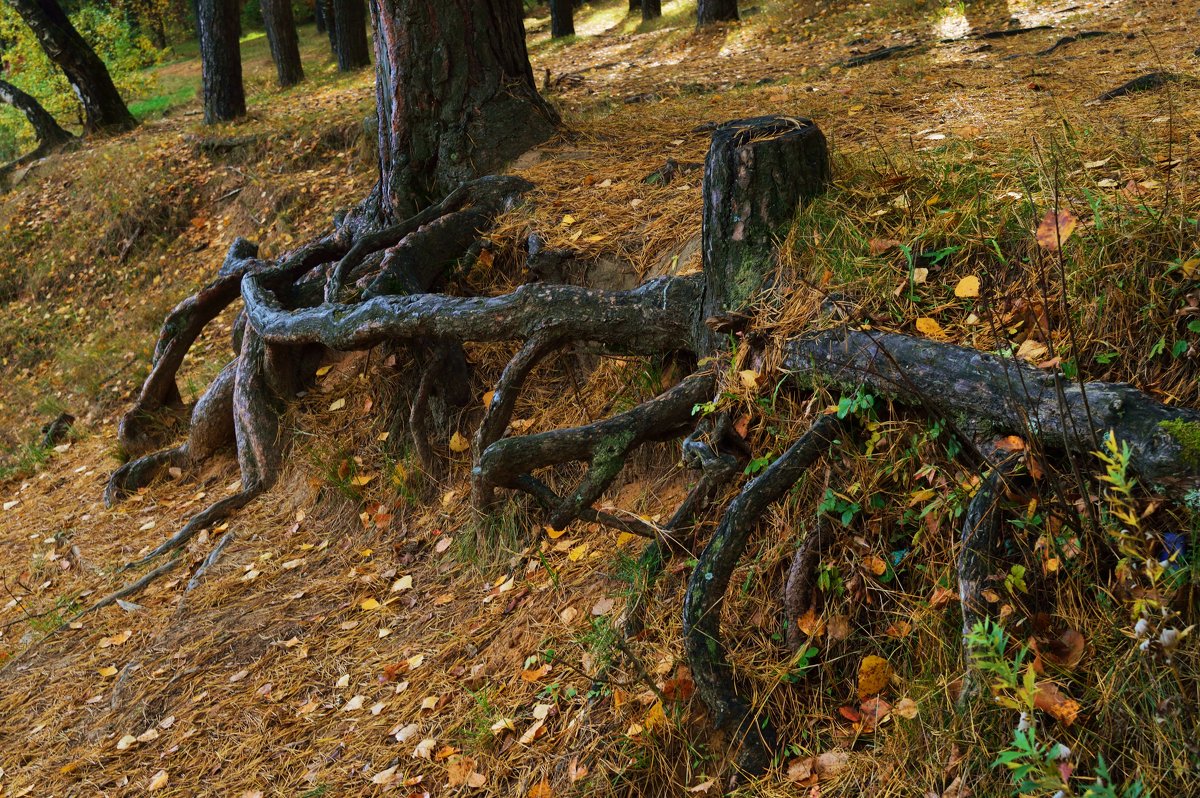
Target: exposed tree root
x,y
979,552
716,472
605,444
799,591
504,401
209,561
706,593
1010,395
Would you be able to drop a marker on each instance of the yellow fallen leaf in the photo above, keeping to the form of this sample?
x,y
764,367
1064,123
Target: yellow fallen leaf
x,y
655,718
370,604
487,398
874,673
338,404
158,780
107,671
361,479
749,379
578,552
967,287
555,534
321,372
458,443
906,708
125,742
928,326
403,583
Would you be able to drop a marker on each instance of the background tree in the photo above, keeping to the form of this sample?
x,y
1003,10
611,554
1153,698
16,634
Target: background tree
x,y
562,18
221,61
285,44
708,11
651,9
50,134
350,35
103,108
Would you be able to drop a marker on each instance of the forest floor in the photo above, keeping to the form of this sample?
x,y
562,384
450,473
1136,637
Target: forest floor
x,y
364,633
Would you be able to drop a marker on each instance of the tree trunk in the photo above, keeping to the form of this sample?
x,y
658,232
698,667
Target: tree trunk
x,y
708,11
50,134
350,35
103,108
221,61
327,12
319,15
757,173
635,5
456,96
651,9
562,19
283,41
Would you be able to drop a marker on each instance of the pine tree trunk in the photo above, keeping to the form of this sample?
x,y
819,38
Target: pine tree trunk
x,y
221,61
708,11
468,111
562,18
350,35
651,9
282,38
283,41
50,134
103,108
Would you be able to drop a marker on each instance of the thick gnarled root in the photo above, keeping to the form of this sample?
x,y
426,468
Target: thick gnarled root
x,y
714,677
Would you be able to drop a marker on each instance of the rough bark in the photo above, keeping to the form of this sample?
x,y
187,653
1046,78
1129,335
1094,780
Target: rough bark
x,y
103,108
350,35
283,41
1013,396
757,174
50,134
709,11
456,96
562,18
221,61
651,9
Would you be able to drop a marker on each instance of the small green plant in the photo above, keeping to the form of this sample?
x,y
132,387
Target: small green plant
x,y
839,506
758,464
829,579
1014,580
860,403
1035,767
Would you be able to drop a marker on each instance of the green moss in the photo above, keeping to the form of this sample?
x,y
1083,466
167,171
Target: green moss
x,y
1187,435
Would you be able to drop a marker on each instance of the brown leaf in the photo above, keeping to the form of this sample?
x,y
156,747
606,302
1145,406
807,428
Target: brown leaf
x,y
811,624
878,246
1055,229
541,789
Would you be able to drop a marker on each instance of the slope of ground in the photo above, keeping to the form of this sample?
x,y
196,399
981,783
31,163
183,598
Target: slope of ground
x,y
362,632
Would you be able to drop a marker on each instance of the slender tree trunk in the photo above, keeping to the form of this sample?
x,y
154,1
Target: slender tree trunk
x,y
562,18
330,23
221,61
103,108
635,5
50,134
470,110
350,36
319,15
708,11
282,38
651,9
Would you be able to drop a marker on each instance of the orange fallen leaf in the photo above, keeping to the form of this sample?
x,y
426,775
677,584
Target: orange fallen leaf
x,y
1055,229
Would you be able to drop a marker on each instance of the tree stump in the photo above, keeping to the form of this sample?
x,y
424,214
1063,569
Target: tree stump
x,y
758,172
